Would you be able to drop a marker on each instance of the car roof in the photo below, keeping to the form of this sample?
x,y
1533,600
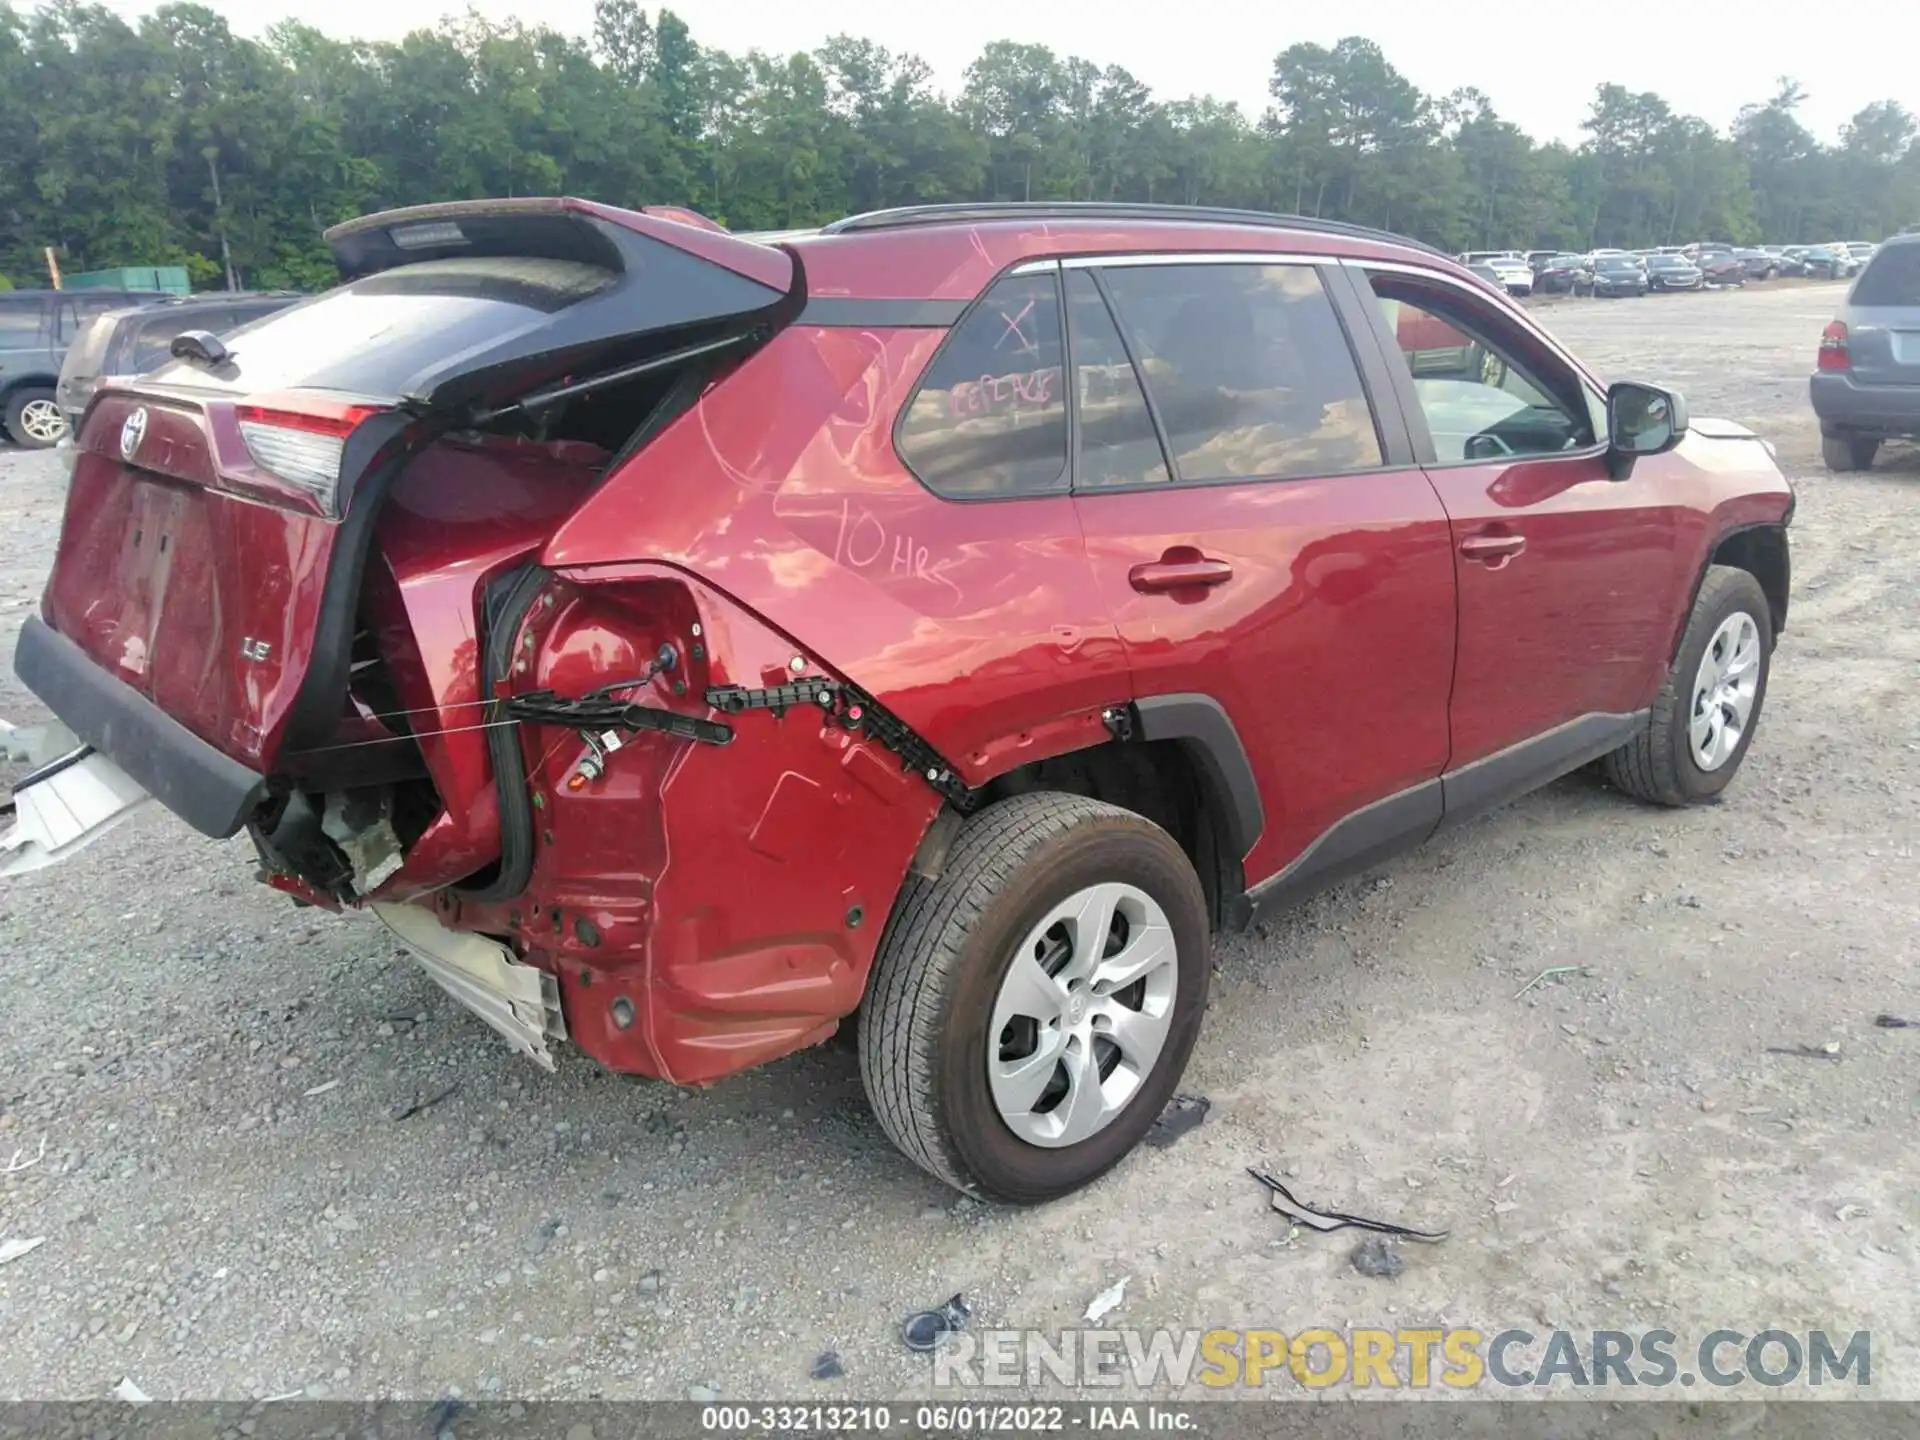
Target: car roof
x,y
953,252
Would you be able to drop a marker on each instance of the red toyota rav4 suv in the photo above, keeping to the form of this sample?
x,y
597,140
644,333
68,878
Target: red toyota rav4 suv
x,y
686,641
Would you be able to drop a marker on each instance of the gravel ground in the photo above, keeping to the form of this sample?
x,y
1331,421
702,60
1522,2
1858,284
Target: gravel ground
x,y
231,1209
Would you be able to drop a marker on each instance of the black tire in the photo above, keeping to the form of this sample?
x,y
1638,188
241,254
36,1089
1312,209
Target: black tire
x,y
17,428
1657,765
949,944
1848,452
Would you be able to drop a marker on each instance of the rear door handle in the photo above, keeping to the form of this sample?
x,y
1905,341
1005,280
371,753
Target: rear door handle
x,y
1161,575
1493,550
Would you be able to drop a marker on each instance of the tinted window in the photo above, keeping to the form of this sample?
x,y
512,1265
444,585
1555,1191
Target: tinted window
x,y
1486,391
155,334
990,418
1892,277
1118,445
1248,368
376,334
19,324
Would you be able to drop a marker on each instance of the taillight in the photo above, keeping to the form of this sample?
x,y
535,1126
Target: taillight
x,y
1833,348
302,447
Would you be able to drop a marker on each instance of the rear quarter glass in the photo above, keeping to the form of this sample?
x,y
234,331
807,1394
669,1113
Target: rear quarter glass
x,y
372,336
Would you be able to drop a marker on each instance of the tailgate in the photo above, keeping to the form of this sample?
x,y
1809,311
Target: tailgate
x,y
1882,316
221,510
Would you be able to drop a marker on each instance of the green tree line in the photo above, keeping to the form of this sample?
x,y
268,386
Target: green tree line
x,y
172,140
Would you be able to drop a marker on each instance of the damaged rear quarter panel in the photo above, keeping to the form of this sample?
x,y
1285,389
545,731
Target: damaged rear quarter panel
x,y
728,898
977,623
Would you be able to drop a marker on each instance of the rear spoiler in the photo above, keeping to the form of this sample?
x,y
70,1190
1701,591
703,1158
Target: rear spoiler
x,y
677,281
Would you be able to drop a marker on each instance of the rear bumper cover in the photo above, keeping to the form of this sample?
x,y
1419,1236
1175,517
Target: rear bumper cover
x,y
211,791
1841,401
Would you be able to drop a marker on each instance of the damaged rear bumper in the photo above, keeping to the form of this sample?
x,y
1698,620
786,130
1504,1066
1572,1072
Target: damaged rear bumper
x,y
520,1002
209,790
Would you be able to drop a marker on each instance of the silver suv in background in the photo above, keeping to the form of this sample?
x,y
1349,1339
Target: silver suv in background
x,y
1866,382
134,340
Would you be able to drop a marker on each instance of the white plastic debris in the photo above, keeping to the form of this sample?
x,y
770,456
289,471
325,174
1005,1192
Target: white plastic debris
x,y
322,1089
131,1393
1108,1299
11,1250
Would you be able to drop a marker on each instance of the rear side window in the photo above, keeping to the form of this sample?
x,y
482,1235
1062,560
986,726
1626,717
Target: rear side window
x,y
1118,445
19,324
1892,277
376,334
1249,370
990,418
154,337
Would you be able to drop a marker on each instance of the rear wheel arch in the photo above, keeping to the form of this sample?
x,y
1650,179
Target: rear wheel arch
x,y
1183,767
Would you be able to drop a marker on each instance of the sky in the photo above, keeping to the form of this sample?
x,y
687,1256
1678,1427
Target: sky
x,y
1537,60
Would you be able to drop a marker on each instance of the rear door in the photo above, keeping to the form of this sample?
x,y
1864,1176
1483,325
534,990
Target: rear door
x,y
1564,574
219,518
1263,543
1882,316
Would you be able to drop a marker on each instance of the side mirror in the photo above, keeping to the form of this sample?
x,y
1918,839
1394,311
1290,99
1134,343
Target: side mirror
x,y
1641,420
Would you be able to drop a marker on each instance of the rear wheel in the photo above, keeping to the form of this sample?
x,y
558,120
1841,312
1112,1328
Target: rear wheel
x,y
1848,452
1031,1011
34,419
1705,715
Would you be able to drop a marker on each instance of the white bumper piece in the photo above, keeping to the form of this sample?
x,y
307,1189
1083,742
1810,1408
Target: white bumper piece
x,y
65,805
522,1003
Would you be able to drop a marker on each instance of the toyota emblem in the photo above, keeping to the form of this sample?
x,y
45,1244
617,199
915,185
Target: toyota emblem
x,y
133,432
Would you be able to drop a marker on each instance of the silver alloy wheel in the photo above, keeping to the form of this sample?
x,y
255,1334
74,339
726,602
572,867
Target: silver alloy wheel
x,y
1082,1015
1723,691
42,421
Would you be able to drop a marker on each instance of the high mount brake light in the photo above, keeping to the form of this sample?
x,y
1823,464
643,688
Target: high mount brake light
x,y
303,448
1833,348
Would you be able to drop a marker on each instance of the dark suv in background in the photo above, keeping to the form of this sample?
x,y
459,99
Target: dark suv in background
x,y
36,326
134,340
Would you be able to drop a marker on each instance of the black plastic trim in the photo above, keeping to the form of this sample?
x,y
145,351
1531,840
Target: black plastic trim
x,y
368,468
847,313
1375,833
1408,818
211,791
1507,774
1200,720
507,601
1357,317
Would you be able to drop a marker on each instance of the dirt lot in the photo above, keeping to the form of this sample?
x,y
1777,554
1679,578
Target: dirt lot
x,y
1614,1150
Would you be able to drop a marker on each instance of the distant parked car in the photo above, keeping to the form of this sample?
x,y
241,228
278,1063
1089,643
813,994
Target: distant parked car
x,y
1760,264
1721,267
1866,384
1564,275
1480,270
1617,275
134,340
1822,262
1514,274
1861,251
36,326
1673,272
1792,258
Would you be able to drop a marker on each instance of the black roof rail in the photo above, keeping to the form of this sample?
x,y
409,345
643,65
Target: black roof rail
x,y
971,213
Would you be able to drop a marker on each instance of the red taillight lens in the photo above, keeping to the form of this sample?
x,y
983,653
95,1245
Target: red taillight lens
x,y
1833,348
302,447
